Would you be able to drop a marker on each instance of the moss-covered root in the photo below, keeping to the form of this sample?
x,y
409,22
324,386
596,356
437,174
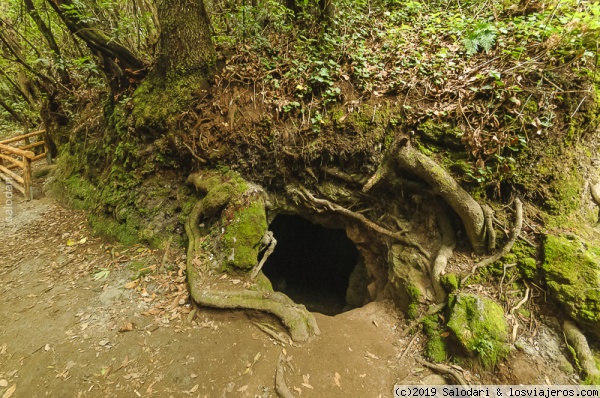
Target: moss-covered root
x,y
300,323
584,355
445,251
443,184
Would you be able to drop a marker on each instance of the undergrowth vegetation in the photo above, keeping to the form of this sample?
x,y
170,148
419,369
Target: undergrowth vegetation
x,y
497,70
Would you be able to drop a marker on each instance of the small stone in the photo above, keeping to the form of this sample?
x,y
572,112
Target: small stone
x,y
433,380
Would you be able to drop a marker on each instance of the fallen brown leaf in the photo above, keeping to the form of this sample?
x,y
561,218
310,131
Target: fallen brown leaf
x,y
10,391
132,284
337,380
128,327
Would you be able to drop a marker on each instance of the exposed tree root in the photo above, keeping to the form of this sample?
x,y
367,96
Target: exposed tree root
x,y
270,242
523,301
268,330
300,323
379,174
445,251
327,205
584,355
340,175
443,184
507,247
192,230
280,384
488,215
408,346
447,370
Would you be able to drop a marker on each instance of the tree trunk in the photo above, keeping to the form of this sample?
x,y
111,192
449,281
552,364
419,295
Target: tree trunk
x,y
186,57
185,45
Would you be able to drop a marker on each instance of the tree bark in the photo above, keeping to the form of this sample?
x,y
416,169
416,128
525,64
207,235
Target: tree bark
x,y
185,45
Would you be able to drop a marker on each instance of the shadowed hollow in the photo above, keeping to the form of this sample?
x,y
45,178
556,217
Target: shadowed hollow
x,y
311,264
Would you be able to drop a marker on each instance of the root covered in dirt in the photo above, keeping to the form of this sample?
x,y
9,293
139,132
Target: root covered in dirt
x,y
280,384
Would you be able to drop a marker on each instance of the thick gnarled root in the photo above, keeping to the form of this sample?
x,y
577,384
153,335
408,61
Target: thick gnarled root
x,y
300,323
442,183
582,350
222,191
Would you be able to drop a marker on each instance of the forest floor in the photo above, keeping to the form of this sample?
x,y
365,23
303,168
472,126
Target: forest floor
x,y
82,317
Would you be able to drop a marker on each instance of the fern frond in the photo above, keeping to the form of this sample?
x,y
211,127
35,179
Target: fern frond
x,y
482,35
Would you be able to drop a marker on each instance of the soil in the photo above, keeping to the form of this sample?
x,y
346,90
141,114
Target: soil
x,y
82,317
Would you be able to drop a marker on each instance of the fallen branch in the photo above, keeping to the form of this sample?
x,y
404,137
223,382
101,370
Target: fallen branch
x,y
507,247
280,385
447,370
399,236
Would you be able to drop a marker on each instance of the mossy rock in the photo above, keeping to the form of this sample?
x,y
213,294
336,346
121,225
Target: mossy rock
x,y
480,326
572,272
408,286
450,282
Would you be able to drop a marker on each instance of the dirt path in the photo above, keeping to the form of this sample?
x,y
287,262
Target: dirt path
x,y
77,321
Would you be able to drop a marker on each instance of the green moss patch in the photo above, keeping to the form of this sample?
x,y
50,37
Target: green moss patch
x,y
572,271
480,326
435,348
242,237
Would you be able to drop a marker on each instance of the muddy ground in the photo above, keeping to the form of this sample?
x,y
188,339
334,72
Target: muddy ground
x,y
82,317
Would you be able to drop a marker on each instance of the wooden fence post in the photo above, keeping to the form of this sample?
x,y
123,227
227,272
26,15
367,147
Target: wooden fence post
x,y
27,174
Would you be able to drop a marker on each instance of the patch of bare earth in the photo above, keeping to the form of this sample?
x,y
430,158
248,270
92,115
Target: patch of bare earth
x,y
76,322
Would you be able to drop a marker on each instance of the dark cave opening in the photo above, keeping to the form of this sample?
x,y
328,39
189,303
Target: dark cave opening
x,y
312,264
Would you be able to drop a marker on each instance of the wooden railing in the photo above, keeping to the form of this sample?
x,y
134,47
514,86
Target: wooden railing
x,y
20,157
